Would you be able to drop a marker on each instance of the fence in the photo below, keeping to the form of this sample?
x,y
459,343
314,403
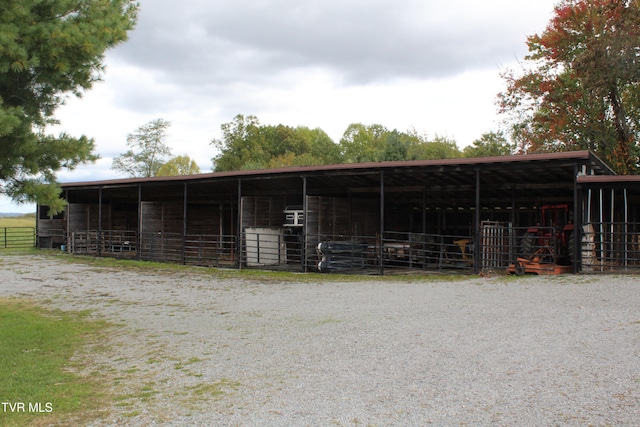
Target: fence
x,y
210,250
498,244
192,249
605,247
611,247
275,249
503,245
116,243
426,251
17,237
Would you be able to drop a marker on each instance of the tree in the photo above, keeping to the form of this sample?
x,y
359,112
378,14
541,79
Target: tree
x,y
147,150
246,144
179,165
582,90
396,146
239,146
321,150
375,143
439,148
489,144
306,147
362,143
48,51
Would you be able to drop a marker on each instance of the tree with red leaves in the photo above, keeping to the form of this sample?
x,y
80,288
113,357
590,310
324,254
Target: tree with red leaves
x,y
580,85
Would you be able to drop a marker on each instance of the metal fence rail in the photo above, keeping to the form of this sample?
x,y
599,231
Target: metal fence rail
x,y
426,251
610,246
17,237
605,247
193,249
396,251
161,247
504,246
498,247
277,250
116,243
267,248
83,242
210,250
331,254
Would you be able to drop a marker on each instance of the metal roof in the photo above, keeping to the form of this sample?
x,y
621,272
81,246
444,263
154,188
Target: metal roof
x,y
441,168
525,179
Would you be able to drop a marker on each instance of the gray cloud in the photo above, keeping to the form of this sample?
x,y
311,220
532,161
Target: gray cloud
x,y
360,42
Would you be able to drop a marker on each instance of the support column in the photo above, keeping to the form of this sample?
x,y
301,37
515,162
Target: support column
x,y
303,252
99,237
423,247
380,248
66,237
612,229
513,246
184,227
577,223
239,228
139,251
626,228
476,237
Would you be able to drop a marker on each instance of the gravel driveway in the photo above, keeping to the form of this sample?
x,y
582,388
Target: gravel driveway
x,y
195,350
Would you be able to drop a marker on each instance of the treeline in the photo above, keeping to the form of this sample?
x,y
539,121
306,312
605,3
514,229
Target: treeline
x,y
246,144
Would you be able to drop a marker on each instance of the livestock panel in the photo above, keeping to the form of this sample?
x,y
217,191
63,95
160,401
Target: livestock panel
x,y
162,238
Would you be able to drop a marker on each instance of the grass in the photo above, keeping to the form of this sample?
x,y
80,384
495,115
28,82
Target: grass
x,y
263,276
27,220
39,352
213,390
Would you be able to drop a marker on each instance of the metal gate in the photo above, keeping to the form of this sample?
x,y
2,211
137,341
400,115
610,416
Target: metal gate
x,y
496,244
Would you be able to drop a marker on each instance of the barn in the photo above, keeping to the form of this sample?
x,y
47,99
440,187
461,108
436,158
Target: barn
x,y
543,213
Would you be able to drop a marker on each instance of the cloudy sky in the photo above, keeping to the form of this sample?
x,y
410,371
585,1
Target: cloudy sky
x,y
429,65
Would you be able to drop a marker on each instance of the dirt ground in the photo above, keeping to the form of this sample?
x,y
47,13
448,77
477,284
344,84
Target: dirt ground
x,y
191,349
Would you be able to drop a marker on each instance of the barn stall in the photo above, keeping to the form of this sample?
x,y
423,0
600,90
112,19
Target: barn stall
x,y
447,215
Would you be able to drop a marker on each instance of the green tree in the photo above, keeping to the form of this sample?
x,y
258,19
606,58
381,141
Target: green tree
x,y
246,144
304,147
147,150
321,147
375,143
363,143
488,145
48,51
179,165
439,148
398,146
581,87
240,146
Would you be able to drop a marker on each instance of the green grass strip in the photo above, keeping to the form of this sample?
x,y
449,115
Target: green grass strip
x,y
38,385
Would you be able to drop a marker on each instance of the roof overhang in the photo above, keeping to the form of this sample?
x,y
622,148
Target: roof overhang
x,y
517,162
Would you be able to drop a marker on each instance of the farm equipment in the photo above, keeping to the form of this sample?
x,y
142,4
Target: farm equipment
x,y
548,247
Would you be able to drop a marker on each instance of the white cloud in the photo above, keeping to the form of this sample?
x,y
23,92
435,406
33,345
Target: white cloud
x,y
423,64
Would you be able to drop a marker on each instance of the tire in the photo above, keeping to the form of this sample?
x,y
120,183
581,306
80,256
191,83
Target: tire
x,y
571,247
527,244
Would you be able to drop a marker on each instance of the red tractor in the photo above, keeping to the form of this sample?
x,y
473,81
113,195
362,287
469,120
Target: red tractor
x,y
548,247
